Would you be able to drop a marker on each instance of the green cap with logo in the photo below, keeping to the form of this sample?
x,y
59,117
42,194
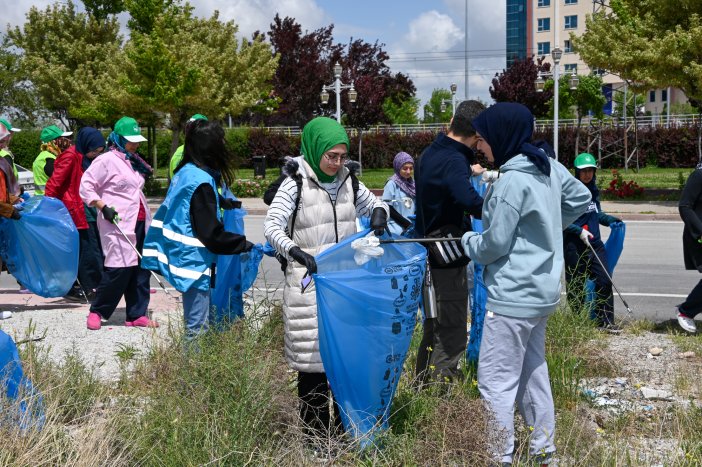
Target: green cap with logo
x,y
53,132
585,160
197,117
8,125
129,129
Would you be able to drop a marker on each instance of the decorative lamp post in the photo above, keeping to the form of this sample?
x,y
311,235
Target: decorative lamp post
x,y
556,54
453,88
337,86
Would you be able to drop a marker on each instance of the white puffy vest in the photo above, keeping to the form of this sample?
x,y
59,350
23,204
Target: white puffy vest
x,y
319,225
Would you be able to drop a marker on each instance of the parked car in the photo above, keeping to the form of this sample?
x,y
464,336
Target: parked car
x,y
26,179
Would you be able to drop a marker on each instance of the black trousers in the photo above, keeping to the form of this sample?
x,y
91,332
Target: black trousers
x,y
692,305
314,393
90,261
580,266
446,336
131,282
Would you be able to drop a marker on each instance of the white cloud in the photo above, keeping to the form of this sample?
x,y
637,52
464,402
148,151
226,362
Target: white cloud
x,y
253,15
433,31
14,12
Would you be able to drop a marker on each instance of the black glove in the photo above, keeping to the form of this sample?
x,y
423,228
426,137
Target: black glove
x,y
110,214
303,258
228,203
15,214
248,246
379,221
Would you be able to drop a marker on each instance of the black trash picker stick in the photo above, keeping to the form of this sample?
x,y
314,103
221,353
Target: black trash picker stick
x,y
140,257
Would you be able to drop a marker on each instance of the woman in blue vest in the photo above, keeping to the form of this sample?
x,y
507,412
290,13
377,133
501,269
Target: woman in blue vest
x,y
187,233
580,264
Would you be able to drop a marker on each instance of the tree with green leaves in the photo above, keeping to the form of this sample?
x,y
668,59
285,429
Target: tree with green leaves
x,y
432,109
72,60
401,111
186,65
17,97
650,44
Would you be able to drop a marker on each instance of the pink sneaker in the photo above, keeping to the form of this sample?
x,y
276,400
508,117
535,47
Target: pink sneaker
x,y
142,322
94,321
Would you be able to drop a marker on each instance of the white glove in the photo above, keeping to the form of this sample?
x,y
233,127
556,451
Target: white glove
x,y
490,176
585,236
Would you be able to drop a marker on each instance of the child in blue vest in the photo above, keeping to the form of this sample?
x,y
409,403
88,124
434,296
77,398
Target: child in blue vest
x,y
187,233
579,260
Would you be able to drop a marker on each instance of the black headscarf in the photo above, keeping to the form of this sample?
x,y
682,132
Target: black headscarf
x,y
507,127
88,139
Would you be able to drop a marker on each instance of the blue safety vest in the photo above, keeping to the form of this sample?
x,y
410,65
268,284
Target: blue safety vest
x,y
171,246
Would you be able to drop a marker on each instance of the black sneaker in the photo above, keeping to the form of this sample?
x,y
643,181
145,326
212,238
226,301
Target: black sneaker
x,y
610,328
74,295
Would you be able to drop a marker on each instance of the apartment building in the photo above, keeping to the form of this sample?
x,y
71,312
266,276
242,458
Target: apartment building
x,y
532,27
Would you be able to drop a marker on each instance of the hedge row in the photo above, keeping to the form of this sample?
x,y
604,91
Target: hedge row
x,y
674,147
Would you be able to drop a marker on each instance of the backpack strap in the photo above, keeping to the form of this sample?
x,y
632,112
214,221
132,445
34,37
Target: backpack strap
x,y
298,182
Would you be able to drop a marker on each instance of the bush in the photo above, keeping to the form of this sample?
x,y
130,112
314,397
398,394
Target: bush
x,y
237,142
249,188
618,188
26,146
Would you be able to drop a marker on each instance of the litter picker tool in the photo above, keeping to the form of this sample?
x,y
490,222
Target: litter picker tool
x,y
628,309
139,255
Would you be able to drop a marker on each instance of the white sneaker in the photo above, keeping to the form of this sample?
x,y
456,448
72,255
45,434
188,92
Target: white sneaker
x,y
5,314
687,323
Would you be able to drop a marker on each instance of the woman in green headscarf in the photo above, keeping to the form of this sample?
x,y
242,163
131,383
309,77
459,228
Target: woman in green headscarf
x,y
314,208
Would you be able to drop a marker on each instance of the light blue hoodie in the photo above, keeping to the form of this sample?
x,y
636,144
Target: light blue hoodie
x,y
524,215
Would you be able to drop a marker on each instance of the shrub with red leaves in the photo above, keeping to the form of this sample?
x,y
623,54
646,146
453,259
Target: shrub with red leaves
x,y
621,189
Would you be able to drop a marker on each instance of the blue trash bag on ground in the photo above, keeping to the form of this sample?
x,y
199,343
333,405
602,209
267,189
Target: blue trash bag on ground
x,y
41,249
478,294
613,250
235,273
366,317
22,405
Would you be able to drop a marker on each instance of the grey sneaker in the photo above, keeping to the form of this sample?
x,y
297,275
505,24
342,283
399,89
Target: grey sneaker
x,y
687,323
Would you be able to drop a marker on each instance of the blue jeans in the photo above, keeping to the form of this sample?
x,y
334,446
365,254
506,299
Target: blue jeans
x,y
196,308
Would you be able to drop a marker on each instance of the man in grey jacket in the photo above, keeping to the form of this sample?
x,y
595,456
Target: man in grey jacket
x,y
524,215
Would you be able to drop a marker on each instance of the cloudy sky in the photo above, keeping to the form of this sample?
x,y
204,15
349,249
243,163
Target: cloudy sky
x,y
424,38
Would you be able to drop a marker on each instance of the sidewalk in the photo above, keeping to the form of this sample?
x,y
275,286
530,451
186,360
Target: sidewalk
x,y
627,210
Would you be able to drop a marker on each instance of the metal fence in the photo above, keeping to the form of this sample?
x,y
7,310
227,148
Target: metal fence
x,y
646,121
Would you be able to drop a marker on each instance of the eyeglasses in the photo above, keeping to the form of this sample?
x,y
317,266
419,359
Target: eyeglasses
x,y
335,157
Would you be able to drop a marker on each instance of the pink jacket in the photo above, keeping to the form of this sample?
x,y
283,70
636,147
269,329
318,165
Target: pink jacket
x,y
112,179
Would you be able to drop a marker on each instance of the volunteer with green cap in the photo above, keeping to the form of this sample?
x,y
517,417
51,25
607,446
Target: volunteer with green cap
x,y
579,262
327,214
53,142
113,184
5,150
178,154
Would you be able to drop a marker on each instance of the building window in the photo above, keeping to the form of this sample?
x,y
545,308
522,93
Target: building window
x,y
571,68
571,22
571,2
543,3
664,95
543,48
567,46
544,24
652,96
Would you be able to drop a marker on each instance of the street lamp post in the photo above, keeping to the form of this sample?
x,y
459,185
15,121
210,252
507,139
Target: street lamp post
x,y
337,86
540,83
452,101
556,54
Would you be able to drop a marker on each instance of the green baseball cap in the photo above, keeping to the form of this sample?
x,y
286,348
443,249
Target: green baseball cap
x,y
197,117
52,132
585,160
129,129
8,125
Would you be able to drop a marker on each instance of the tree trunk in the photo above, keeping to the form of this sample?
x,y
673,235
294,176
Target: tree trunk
x,y
175,127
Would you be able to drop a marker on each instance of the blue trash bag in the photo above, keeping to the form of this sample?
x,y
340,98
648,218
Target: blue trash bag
x,y
478,295
26,405
235,273
613,250
41,248
366,317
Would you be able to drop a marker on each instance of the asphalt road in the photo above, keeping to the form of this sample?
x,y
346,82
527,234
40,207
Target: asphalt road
x,y
650,273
